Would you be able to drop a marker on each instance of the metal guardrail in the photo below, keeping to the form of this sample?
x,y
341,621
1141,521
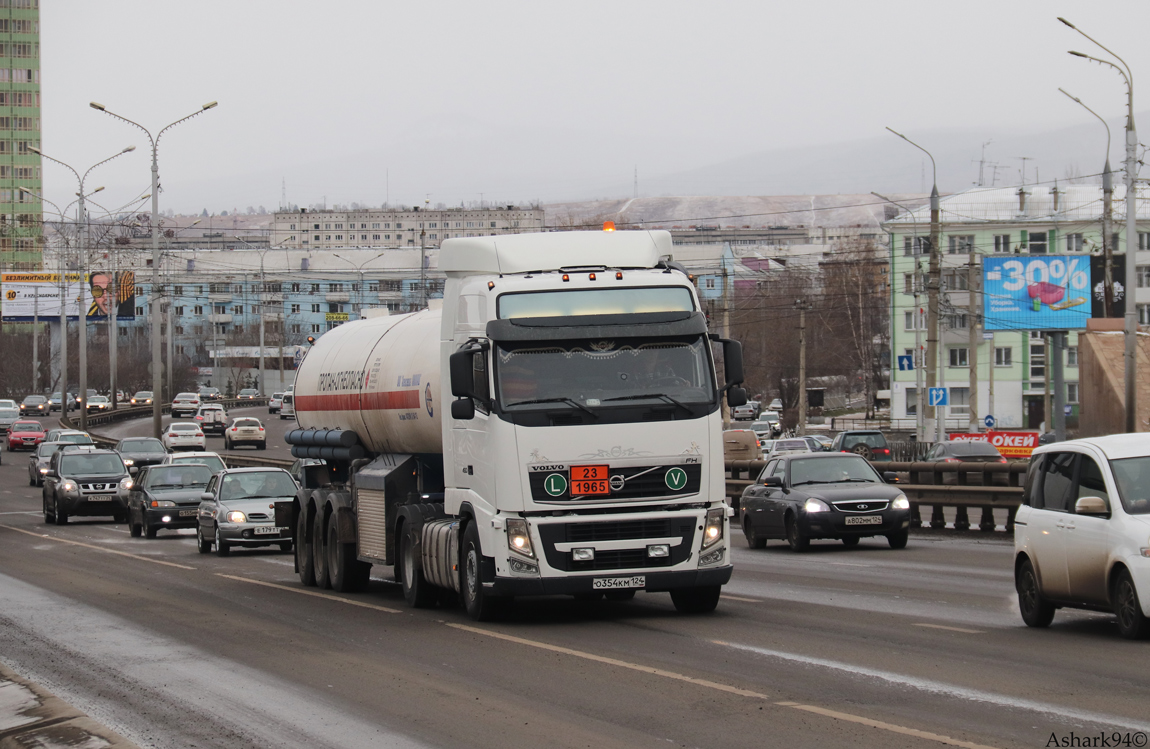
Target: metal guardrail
x,y
982,486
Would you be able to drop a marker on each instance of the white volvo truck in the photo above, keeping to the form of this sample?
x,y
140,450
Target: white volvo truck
x,y
580,451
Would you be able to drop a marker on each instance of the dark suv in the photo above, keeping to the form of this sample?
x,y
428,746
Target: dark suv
x,y
869,443
85,481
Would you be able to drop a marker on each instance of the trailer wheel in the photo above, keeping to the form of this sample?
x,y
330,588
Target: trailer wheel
x,y
319,552
343,567
416,590
303,550
701,600
480,606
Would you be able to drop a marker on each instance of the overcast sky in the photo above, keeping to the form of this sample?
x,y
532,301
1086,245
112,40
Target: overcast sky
x,y
367,101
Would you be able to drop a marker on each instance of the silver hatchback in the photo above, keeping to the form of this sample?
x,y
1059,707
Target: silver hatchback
x,y
237,508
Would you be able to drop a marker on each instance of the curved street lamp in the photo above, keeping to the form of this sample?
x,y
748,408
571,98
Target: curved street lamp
x,y
157,365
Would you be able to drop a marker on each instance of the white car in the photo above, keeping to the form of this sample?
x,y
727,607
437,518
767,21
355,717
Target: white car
x,y
212,417
182,435
275,402
287,405
1082,534
211,460
246,431
185,404
789,447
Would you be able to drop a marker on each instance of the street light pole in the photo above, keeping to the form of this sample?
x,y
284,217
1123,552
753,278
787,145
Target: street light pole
x,y
918,360
1131,326
157,366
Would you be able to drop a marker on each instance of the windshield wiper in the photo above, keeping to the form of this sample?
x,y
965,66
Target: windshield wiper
x,y
662,396
568,401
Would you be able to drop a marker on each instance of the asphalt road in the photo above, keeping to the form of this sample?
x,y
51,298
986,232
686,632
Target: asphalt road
x,y
276,428
833,648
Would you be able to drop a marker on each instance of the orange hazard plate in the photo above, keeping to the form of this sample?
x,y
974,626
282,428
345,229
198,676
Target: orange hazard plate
x,y
588,480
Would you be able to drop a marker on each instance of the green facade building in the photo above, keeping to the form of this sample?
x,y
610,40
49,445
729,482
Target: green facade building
x,y
21,216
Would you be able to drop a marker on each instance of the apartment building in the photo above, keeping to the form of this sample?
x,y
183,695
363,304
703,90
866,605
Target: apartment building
x,y
21,216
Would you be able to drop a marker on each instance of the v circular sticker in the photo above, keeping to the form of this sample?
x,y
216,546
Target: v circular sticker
x,y
676,479
555,484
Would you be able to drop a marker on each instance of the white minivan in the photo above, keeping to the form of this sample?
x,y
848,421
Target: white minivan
x,y
1082,534
287,406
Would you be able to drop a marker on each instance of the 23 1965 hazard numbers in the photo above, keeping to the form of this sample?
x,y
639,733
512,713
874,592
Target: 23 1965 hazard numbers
x,y
589,480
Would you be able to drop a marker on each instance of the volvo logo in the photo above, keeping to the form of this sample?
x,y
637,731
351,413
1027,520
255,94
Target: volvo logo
x,y
616,482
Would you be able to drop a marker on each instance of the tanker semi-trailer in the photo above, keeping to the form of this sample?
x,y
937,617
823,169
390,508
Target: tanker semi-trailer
x,y
581,453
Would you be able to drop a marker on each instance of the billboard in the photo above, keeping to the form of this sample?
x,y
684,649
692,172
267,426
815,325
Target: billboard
x,y
1036,292
24,296
1117,279
1010,444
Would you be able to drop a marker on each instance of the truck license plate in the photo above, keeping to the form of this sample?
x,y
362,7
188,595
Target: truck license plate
x,y
588,480
614,583
864,520
268,530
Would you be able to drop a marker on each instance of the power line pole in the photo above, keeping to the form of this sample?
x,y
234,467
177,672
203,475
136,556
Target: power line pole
x,y
802,307
113,309
972,280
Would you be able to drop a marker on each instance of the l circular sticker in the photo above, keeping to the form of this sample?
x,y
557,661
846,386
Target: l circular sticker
x,y
676,479
555,484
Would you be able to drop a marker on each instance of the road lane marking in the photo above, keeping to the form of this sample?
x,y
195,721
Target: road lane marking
x,y
97,548
20,512
740,598
953,629
302,591
951,690
904,730
892,727
609,661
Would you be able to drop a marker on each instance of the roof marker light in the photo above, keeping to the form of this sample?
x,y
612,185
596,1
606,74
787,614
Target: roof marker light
x,y
490,285
608,226
618,275
591,276
566,277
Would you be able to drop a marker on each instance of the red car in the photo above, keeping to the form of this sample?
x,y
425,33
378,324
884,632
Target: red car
x,y
26,434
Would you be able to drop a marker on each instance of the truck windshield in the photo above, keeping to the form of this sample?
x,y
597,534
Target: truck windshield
x,y
595,302
596,373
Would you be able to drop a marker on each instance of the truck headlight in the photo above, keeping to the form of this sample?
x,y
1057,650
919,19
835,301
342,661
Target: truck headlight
x,y
816,505
713,530
237,517
900,503
518,539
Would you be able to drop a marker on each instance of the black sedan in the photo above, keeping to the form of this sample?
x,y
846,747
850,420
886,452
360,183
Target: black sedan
x,y
823,495
166,497
138,452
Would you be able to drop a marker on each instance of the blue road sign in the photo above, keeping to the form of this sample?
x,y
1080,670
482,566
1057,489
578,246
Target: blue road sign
x,y
989,421
938,396
905,363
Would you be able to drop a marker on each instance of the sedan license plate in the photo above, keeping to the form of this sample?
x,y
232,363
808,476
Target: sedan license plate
x,y
187,513
864,520
100,498
615,583
268,530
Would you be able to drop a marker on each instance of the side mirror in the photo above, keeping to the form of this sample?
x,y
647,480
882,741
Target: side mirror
x,y
463,409
733,362
736,396
1091,506
207,497
462,374
773,481
133,470
890,477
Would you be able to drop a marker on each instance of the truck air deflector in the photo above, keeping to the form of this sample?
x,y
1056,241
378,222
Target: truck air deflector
x,y
647,325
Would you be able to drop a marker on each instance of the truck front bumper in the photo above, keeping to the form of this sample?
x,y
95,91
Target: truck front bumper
x,y
656,582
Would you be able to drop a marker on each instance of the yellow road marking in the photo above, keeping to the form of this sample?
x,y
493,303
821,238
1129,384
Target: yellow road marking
x,y
310,593
740,598
893,728
46,537
904,730
610,661
952,629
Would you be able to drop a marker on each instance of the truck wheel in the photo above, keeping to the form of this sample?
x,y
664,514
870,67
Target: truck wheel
x,y
702,600
303,550
343,567
416,590
319,552
480,605
620,595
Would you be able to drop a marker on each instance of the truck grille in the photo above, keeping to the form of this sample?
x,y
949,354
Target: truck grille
x,y
619,530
